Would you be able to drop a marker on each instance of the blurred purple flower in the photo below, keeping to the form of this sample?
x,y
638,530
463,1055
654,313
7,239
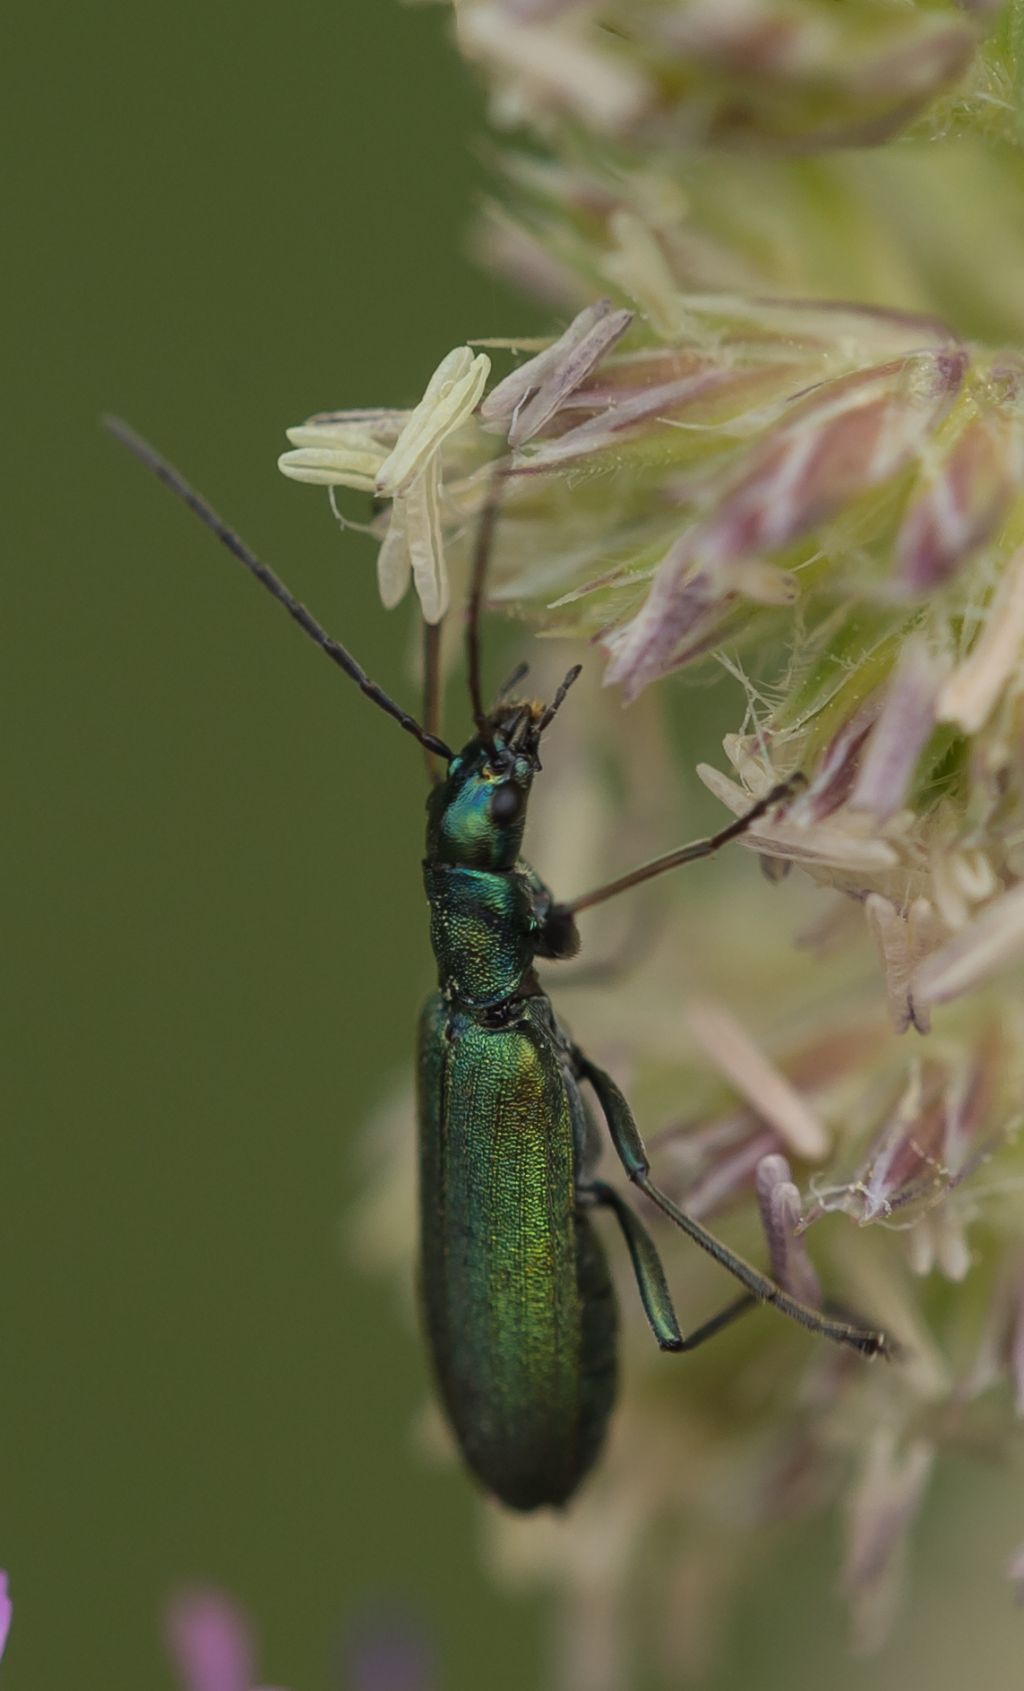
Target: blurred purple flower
x,y
387,1652
6,1611
210,1641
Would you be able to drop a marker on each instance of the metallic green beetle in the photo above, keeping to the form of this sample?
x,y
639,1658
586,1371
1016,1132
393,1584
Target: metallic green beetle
x,y
518,1305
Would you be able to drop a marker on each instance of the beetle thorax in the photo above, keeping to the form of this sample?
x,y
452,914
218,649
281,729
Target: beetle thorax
x,y
481,910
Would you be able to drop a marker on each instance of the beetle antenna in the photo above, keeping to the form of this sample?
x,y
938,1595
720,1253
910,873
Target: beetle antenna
x,y
556,704
331,648
482,549
511,682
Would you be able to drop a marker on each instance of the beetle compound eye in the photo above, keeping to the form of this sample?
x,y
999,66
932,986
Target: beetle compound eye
x,y
506,804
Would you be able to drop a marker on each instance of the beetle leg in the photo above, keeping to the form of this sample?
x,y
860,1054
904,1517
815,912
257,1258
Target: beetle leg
x,y
650,1277
629,1148
688,853
556,934
715,1323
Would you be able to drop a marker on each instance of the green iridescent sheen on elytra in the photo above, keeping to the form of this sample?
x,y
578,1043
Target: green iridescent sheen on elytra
x,y
516,1292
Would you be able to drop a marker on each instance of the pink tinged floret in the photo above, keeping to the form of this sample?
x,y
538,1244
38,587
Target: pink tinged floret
x,y
907,74
971,693
730,1169
717,1159
939,1241
870,759
774,1098
844,438
1012,1345
537,9
741,394
904,724
1015,1573
528,398
779,1203
6,1611
795,839
833,780
681,389
739,40
1016,1349
504,246
1001,1354
680,600
903,938
882,1509
913,1165
988,945
908,1162
899,70
961,504
930,1145
210,1642
621,414
571,71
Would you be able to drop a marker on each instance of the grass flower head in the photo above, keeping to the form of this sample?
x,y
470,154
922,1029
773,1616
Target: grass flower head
x,y
775,436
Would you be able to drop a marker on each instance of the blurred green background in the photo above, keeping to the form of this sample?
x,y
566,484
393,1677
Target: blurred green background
x,y
226,217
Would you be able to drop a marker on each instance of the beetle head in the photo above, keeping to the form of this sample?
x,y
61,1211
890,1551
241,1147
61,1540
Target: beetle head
x,y
477,814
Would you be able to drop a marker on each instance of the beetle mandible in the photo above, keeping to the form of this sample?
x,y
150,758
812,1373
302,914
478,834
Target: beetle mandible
x,y
518,1305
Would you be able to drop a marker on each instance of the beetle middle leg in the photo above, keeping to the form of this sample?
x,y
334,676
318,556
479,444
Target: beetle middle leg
x,y
630,1150
650,1277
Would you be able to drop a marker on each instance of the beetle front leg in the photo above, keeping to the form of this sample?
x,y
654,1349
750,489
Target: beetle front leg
x,y
630,1150
557,936
650,1277
688,853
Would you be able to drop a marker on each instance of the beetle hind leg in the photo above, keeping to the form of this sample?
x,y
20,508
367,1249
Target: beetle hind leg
x,y
650,1277
629,1147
